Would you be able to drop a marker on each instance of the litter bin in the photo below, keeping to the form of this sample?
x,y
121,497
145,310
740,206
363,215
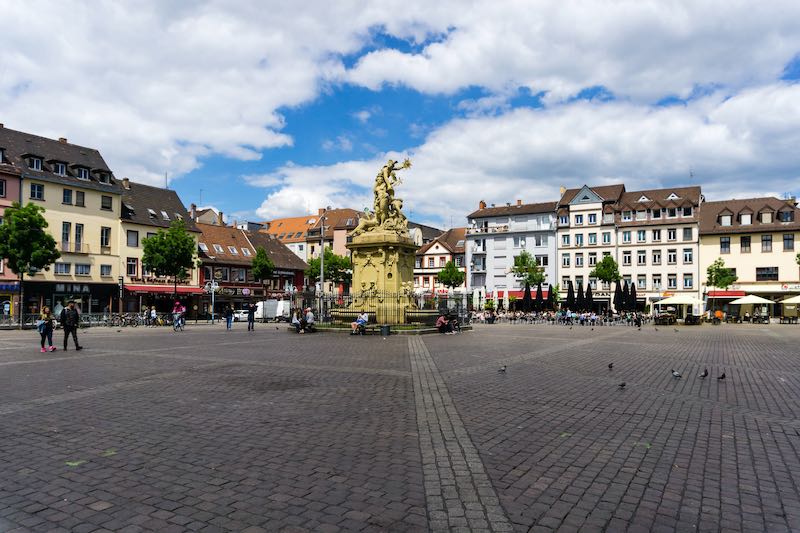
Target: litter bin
x,y
385,330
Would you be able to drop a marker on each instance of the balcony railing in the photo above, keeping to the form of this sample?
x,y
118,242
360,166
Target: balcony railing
x,y
490,229
74,247
478,249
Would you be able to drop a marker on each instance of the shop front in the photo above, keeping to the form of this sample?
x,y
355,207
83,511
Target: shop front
x,y
236,297
9,298
89,298
162,297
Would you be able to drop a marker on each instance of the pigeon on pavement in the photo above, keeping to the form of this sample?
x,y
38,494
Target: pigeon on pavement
x,y
676,374
704,374
610,366
721,377
502,369
622,385
675,330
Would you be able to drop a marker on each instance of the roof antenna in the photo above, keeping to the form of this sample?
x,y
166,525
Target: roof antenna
x,y
691,174
201,197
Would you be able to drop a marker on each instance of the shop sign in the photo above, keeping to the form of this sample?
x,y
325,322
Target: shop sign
x,y
227,291
787,287
245,292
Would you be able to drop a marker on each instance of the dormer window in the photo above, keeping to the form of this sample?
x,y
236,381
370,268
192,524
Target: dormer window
x,y
2,155
745,219
178,216
35,163
673,196
59,169
766,217
725,220
233,250
786,216
203,246
643,198
151,213
246,252
219,249
103,177
83,173
164,215
627,216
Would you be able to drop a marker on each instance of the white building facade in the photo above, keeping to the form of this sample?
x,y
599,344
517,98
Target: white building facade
x,y
496,235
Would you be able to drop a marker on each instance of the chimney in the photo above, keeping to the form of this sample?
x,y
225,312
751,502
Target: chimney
x,y
519,202
481,205
321,211
1,125
193,212
62,140
126,183
220,221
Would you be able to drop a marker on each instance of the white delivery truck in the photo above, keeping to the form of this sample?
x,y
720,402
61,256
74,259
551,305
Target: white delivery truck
x,y
277,310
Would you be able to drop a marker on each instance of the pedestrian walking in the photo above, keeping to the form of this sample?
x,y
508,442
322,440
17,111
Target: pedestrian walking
x,y
45,327
251,316
70,320
229,317
153,317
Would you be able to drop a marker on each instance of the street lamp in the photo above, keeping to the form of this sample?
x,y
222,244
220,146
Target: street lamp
x,y
322,251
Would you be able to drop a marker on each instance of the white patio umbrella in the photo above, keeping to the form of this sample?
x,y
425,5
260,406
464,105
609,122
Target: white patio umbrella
x,y
792,300
751,299
505,299
680,299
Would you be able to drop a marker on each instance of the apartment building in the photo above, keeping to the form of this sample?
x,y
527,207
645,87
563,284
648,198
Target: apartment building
x,y
82,201
337,224
498,234
10,177
432,257
756,237
652,235
657,239
145,211
292,232
586,233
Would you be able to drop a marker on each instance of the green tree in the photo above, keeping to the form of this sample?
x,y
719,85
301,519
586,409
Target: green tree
x,y
171,253
337,268
451,276
25,245
718,276
606,270
262,265
527,269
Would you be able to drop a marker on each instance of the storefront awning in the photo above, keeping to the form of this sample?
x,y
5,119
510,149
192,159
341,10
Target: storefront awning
x,y
163,289
9,287
726,294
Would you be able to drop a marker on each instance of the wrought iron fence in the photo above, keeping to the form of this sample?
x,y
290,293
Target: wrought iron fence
x,y
382,308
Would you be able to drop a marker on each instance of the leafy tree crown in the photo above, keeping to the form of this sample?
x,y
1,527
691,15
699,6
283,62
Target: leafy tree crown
x,y
23,242
527,269
606,270
719,276
263,267
170,253
451,276
338,268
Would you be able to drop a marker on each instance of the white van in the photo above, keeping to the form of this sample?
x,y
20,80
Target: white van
x,y
277,310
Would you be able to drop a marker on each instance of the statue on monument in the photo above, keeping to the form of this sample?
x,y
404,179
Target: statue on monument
x,y
388,214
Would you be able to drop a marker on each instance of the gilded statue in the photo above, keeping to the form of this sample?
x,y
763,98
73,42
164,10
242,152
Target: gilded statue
x,y
388,214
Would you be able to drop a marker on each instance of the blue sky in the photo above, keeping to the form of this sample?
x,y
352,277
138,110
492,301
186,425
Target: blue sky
x,y
273,111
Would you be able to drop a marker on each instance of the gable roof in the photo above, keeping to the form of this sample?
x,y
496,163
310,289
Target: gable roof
x,y
517,209
661,197
608,193
138,198
18,144
428,232
290,229
452,240
710,212
281,256
224,236
343,218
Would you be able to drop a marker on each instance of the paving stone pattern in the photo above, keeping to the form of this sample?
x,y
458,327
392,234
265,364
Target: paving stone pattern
x,y
150,430
458,491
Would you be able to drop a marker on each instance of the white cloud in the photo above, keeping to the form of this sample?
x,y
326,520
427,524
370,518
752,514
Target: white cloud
x,y
642,49
342,143
362,115
735,146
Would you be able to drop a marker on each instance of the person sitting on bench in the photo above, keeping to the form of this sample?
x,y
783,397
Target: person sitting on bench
x,y
359,326
442,324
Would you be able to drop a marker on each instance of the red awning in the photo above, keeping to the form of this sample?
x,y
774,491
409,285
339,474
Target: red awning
x,y
163,289
726,294
520,294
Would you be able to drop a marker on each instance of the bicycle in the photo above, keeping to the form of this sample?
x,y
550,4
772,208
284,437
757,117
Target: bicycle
x,y
178,322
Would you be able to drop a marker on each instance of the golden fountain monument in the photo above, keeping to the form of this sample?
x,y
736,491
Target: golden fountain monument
x,y
383,253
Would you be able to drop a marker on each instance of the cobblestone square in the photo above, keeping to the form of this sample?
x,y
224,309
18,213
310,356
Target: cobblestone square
x,y
208,430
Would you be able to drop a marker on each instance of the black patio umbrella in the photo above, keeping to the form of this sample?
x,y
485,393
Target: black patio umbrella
x,y
538,303
589,298
551,299
570,297
626,297
580,301
618,298
527,302
633,304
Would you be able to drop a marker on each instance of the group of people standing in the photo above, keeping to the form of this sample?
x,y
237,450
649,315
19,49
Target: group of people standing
x,y
70,319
